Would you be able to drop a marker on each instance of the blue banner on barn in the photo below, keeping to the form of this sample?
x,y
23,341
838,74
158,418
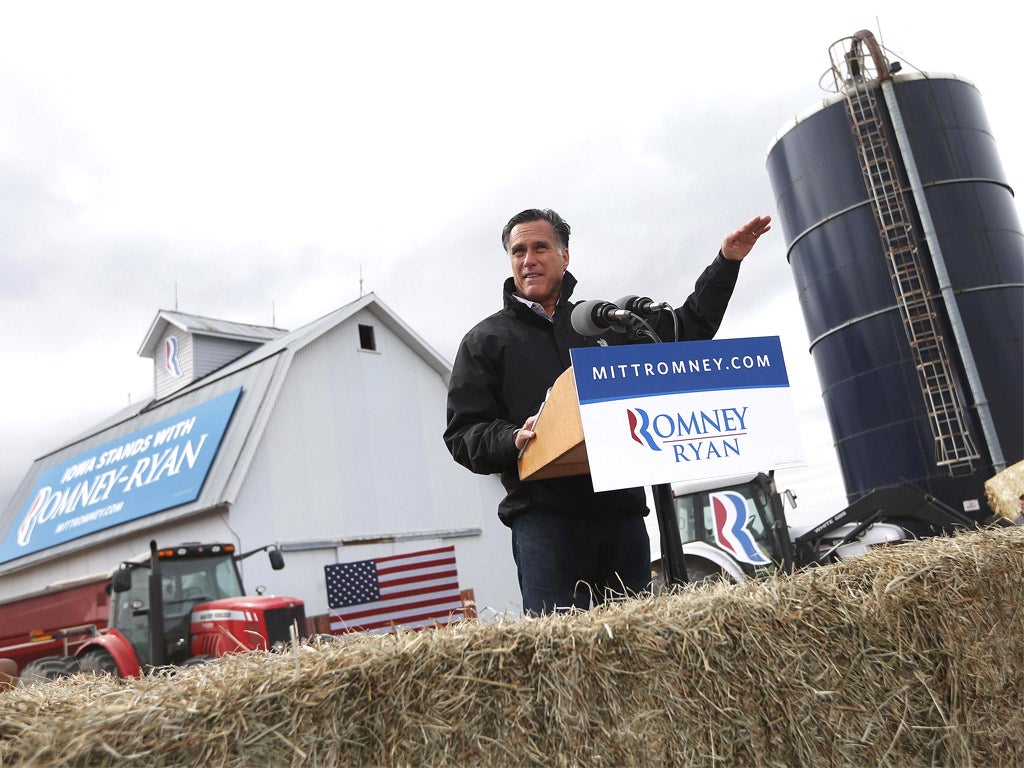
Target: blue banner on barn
x,y
160,466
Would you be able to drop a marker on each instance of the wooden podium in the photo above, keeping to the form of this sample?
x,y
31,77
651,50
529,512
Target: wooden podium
x,y
558,450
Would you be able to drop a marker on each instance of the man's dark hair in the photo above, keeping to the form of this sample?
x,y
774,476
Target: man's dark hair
x,y
538,214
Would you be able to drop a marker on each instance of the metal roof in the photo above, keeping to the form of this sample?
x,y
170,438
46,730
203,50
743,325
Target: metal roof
x,y
834,98
204,326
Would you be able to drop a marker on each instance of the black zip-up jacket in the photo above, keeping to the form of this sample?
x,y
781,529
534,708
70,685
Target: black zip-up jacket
x,y
502,372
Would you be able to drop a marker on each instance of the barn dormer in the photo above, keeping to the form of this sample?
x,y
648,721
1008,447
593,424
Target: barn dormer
x,y
185,348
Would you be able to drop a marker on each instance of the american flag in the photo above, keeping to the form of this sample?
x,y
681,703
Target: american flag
x,y
419,589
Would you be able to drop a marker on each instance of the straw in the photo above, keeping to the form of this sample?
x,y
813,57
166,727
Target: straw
x,y
912,655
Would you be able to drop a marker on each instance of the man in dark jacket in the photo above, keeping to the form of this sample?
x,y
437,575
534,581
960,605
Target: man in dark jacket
x,y
572,546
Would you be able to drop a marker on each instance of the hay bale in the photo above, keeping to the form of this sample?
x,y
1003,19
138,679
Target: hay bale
x,y
910,656
1004,491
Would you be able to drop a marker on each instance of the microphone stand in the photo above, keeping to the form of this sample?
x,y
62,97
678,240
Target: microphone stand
x,y
639,330
673,563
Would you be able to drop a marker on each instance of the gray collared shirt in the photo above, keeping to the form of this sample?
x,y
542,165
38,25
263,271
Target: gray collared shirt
x,y
533,305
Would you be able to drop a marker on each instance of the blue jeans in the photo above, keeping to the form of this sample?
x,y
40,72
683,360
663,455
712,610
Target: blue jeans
x,y
569,561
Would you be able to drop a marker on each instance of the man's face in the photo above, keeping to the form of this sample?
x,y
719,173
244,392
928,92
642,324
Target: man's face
x,y
537,266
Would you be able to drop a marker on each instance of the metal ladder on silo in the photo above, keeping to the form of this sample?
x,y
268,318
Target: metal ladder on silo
x,y
954,447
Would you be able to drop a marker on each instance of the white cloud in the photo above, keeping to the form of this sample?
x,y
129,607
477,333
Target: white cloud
x,y
256,160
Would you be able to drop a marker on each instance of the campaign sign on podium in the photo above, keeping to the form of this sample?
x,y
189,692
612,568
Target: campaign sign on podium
x,y
694,410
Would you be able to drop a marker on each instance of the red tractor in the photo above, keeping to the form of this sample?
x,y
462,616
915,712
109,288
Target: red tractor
x,y
182,605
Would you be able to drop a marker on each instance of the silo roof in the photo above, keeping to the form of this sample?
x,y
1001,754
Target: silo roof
x,y
833,98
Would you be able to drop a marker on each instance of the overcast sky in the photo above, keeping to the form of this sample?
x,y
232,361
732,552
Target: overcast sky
x,y
267,163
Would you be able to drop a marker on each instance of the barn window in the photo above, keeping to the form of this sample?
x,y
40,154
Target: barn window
x,y
366,339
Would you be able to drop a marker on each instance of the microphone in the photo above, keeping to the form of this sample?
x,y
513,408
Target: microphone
x,y
641,305
592,318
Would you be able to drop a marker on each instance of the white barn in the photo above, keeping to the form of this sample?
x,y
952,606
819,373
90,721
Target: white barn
x,y
325,441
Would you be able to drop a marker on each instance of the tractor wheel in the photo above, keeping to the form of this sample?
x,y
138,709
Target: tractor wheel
x,y
98,662
46,669
195,661
703,572
8,674
321,639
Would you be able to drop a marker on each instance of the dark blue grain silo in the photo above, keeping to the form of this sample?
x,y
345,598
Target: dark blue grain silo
x,y
908,255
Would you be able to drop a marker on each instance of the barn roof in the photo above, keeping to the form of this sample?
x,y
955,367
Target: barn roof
x,y
255,379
